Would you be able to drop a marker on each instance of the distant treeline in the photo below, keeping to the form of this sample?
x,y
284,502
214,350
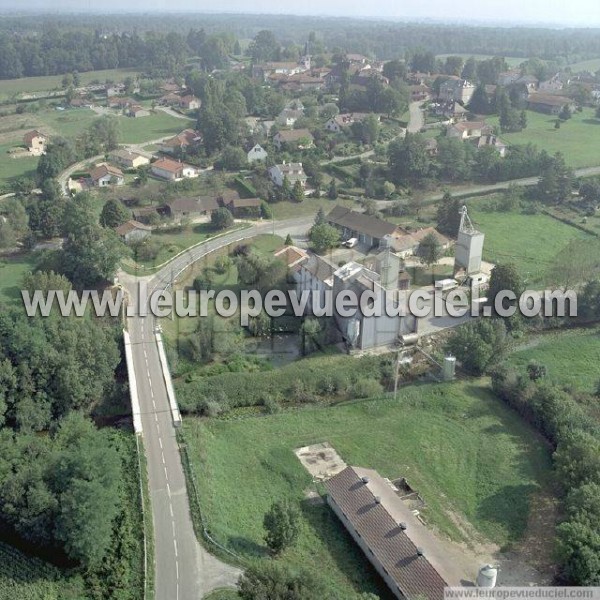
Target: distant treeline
x,y
92,42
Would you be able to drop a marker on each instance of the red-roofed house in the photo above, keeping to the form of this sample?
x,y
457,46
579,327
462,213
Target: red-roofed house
x,y
172,170
182,142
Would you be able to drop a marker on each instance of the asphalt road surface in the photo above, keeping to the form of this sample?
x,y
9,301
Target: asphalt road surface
x,y
184,570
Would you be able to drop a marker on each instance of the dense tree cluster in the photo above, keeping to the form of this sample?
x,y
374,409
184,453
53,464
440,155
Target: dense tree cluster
x,y
564,419
50,366
479,345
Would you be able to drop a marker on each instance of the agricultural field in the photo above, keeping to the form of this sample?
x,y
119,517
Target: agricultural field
x,y
578,138
530,241
571,357
586,65
9,87
470,457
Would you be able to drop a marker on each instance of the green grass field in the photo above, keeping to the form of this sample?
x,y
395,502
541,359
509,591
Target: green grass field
x,y
530,241
11,168
12,270
145,129
53,82
70,123
586,65
571,357
66,123
463,450
289,210
578,138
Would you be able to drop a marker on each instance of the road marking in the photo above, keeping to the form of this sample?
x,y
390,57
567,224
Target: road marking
x,y
171,509
166,474
160,442
177,569
163,458
168,489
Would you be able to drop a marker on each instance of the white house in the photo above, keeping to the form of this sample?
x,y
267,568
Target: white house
x,y
137,111
288,116
173,170
466,130
257,153
456,89
36,142
128,159
133,231
342,121
292,171
104,175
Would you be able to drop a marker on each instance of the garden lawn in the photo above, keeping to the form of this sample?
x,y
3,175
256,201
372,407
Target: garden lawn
x,y
530,241
145,129
12,271
462,449
578,138
571,357
289,210
13,168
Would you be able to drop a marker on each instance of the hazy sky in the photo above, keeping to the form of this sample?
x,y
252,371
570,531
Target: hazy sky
x,y
558,12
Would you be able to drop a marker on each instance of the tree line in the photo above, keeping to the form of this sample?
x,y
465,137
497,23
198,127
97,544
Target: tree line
x,y
113,40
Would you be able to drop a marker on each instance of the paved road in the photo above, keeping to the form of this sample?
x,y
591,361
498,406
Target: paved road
x,y
471,190
415,118
184,570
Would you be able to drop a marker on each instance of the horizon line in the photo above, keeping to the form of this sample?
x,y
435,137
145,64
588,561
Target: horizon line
x,y
387,18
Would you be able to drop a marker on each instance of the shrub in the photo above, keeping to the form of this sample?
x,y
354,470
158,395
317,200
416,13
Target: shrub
x,y
367,388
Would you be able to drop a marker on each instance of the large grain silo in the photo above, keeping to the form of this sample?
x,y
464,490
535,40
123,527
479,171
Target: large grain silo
x,y
469,246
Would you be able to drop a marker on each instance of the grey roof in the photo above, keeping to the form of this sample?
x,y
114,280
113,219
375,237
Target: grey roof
x,y
361,223
375,514
320,268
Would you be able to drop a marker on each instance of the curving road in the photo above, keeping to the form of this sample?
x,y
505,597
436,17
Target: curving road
x,y
184,569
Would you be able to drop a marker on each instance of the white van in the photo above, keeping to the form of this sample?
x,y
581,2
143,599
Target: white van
x,y
350,243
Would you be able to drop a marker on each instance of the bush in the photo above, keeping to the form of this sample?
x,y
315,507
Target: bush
x,y
223,264
367,388
328,377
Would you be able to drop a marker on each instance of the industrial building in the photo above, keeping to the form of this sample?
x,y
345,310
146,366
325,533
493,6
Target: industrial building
x,y
403,551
